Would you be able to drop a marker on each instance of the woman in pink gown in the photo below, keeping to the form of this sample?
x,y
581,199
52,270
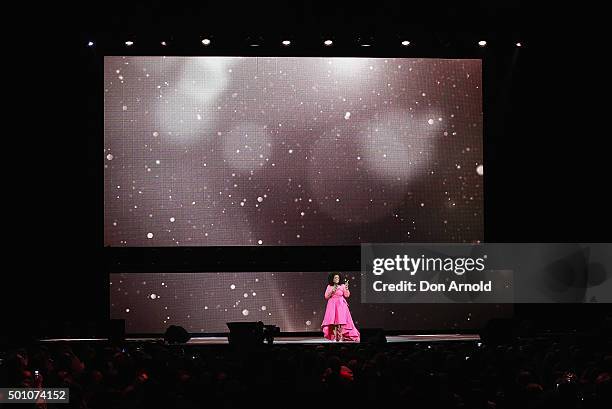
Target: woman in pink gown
x,y
337,323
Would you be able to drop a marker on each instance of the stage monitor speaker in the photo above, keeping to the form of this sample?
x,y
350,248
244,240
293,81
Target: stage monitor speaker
x,y
16,334
498,331
176,335
246,333
269,332
373,335
116,331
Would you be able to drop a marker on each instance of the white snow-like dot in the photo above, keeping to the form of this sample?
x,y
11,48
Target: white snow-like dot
x,y
430,121
480,170
259,241
245,312
245,295
308,322
153,296
125,107
149,235
263,307
127,310
260,199
254,294
172,219
109,156
347,115
233,287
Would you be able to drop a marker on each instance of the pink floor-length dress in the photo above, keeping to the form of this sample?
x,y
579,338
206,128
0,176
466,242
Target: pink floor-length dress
x,y
337,312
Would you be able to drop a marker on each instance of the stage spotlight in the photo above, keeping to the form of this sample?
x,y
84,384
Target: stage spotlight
x,y
365,41
163,43
269,332
206,41
286,42
176,335
254,41
90,44
129,43
328,42
405,43
482,43
246,333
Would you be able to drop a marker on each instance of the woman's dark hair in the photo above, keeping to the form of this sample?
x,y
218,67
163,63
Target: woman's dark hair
x,y
330,278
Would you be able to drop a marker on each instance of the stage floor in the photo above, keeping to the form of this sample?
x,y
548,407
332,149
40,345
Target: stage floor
x,y
298,340
321,340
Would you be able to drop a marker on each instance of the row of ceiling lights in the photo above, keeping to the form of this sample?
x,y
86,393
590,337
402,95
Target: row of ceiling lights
x,y
287,43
